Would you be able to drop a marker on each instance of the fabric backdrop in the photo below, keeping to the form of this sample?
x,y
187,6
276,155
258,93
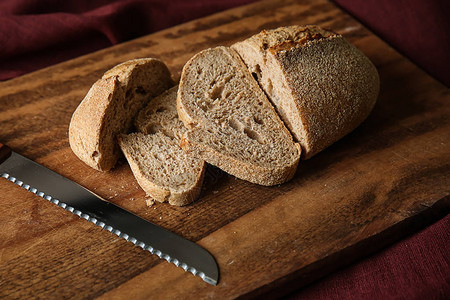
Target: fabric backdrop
x,y
419,29
38,33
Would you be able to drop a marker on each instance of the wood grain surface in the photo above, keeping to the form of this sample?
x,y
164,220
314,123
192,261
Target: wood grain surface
x,y
379,183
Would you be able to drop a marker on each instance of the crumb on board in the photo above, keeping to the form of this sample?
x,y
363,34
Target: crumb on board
x,y
149,202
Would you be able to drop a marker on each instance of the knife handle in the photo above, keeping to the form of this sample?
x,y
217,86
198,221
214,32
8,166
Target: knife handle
x,y
5,152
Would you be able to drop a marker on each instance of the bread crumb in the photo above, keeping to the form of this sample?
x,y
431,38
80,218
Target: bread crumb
x,y
149,202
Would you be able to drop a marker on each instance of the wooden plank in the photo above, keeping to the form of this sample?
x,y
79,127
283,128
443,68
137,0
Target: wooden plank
x,y
351,199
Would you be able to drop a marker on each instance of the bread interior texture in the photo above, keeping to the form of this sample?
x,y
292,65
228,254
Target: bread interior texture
x,y
161,167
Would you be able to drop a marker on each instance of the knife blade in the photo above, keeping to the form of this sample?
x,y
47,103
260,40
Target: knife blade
x,y
85,204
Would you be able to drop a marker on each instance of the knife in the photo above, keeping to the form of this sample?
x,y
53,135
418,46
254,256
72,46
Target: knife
x,y
85,204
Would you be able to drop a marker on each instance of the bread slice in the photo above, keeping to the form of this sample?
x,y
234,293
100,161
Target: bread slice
x,y
163,170
232,124
110,107
321,85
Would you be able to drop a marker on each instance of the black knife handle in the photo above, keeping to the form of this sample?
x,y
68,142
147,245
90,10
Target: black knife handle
x,y
5,152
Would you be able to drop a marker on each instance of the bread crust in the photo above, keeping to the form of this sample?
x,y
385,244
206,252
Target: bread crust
x,y
87,125
110,107
324,87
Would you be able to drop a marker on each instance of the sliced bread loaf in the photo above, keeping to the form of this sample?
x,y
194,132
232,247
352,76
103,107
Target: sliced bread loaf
x,y
110,107
321,85
163,170
232,123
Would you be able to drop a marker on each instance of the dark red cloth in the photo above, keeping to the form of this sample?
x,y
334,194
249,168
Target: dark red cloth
x,y
417,267
419,29
38,33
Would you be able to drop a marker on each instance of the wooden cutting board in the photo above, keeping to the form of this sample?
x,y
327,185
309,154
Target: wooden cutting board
x,y
387,178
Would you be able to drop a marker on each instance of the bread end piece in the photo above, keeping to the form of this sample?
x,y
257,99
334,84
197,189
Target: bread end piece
x,y
110,107
87,126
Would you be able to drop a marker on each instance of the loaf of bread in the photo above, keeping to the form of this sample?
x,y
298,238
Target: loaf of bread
x,y
163,170
232,123
252,110
321,86
110,107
